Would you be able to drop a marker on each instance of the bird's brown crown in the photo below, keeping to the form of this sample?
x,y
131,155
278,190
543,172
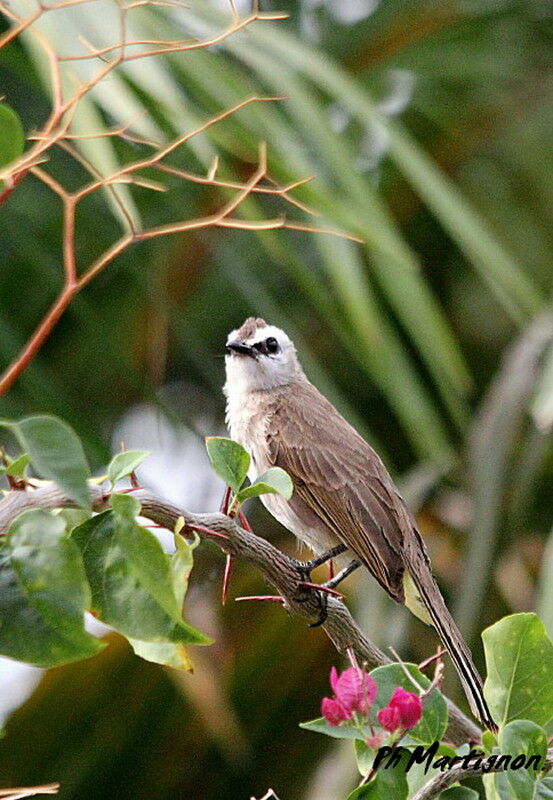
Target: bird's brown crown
x,y
248,329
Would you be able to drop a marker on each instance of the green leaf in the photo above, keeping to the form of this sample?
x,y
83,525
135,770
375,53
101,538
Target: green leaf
x,y
458,793
519,657
488,741
433,724
136,587
123,464
274,481
16,467
320,725
12,135
172,654
43,593
125,504
72,517
230,461
544,789
421,772
56,453
388,784
522,737
364,756
490,787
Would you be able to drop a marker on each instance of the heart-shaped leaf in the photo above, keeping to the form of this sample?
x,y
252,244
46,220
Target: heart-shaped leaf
x,y
16,467
230,461
122,464
274,481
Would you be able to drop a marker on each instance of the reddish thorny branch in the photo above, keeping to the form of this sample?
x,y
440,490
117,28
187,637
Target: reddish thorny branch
x,y
57,132
277,568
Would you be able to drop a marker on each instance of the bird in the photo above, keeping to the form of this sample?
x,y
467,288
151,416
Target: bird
x,y
344,499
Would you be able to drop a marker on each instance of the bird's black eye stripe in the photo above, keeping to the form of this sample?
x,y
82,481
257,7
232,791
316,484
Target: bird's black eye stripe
x,y
269,347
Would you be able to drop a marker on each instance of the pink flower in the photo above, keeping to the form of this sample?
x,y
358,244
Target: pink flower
x,y
409,706
354,689
389,718
403,711
333,711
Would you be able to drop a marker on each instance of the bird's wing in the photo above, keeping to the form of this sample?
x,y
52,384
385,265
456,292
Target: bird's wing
x,y
340,478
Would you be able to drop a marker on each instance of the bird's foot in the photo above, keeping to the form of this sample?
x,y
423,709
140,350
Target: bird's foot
x,y
323,590
309,589
315,591
337,579
305,568
308,566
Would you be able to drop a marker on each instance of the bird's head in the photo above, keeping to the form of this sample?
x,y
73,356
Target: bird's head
x,y
260,356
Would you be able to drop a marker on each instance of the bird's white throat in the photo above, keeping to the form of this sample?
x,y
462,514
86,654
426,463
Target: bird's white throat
x,y
245,374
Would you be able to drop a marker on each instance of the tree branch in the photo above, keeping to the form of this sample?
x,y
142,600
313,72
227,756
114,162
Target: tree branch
x,y
57,132
277,568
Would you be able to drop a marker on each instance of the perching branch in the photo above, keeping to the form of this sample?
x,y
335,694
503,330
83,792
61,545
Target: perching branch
x,y
449,777
277,568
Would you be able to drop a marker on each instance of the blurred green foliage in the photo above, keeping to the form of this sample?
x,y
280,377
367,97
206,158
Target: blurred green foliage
x,y
426,126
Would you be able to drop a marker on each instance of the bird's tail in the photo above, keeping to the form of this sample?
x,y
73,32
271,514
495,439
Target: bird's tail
x,y
452,639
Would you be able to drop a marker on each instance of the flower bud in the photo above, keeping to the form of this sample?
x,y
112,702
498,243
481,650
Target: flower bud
x,y
409,706
389,718
333,711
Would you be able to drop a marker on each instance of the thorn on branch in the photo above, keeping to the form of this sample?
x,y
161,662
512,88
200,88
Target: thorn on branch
x,y
265,598
430,659
320,587
206,531
229,566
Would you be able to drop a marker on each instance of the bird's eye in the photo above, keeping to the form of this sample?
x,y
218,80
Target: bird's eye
x,y
272,345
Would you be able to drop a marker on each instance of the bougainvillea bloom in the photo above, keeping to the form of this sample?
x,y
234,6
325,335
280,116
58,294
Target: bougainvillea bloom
x,y
333,711
409,706
403,711
354,689
389,718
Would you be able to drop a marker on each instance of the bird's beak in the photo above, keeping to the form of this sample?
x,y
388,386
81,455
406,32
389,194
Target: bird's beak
x,y
241,348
